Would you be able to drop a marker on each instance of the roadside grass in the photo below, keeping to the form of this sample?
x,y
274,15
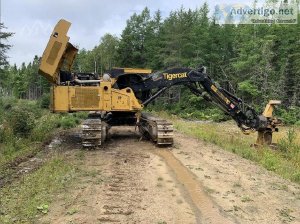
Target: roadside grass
x,y
285,160
25,127
15,147
30,197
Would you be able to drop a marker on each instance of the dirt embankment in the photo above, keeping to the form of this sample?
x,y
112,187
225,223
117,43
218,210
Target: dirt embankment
x,y
132,181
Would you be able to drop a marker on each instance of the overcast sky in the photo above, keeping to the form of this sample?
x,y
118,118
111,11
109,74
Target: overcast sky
x,y
32,21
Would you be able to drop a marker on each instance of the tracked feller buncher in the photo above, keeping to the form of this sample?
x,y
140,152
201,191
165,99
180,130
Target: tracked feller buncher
x,y
118,96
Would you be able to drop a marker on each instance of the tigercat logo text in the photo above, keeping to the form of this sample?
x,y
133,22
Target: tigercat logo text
x,y
175,75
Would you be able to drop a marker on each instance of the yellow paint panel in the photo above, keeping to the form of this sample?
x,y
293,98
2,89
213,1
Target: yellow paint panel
x,y
120,100
106,95
135,70
84,98
268,112
58,53
60,99
124,100
93,98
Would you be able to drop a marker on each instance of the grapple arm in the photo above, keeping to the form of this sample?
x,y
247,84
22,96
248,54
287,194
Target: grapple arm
x,y
202,85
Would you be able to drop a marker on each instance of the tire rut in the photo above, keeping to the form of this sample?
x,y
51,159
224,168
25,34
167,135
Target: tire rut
x,y
119,206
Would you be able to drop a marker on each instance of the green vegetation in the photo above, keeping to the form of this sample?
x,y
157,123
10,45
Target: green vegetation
x,y
292,116
72,211
162,222
24,200
69,122
201,109
24,126
284,161
246,198
4,47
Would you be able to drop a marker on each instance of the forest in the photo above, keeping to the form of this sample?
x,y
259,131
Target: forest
x,y
255,62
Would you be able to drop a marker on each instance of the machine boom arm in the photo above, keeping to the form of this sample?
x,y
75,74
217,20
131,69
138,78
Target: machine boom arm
x,y
202,85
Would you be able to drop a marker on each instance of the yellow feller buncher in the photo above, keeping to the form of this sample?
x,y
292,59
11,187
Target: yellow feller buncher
x,y
119,96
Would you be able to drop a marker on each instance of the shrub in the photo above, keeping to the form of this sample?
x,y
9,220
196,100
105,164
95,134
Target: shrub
x,y
69,121
6,134
270,161
7,102
44,127
13,145
290,116
21,121
248,88
287,144
200,110
44,101
296,177
31,107
81,115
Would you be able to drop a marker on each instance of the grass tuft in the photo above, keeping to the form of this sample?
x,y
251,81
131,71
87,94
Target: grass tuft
x,y
22,201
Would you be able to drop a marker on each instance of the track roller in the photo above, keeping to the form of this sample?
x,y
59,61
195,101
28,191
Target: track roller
x,y
159,130
92,133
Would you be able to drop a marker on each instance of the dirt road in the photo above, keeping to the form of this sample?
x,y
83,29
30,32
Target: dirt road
x,y
132,181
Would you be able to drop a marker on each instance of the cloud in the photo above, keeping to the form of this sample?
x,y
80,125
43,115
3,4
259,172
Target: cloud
x,y
32,21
